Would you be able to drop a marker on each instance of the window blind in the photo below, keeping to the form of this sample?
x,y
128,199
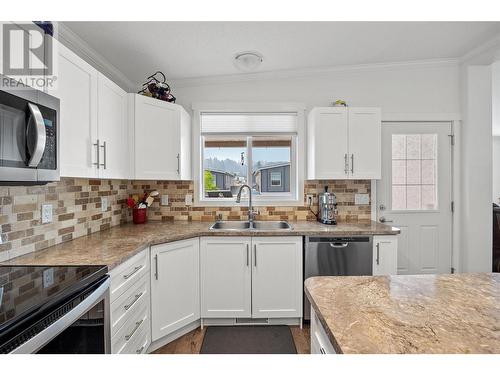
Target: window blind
x,y
248,123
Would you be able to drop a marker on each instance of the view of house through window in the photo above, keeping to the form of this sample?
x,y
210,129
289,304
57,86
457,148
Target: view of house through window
x,y
262,162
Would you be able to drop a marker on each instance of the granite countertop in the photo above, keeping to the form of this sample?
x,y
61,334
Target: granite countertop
x,y
117,244
457,313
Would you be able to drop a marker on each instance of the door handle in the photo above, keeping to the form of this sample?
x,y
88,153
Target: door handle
x,y
35,136
98,163
384,220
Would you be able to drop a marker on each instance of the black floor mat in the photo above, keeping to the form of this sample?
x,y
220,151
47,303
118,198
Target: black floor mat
x,y
248,340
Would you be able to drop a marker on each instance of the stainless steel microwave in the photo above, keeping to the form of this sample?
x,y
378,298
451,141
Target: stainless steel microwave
x,y
29,136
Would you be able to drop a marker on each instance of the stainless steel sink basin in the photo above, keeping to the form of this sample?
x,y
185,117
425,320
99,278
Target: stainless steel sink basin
x,y
245,225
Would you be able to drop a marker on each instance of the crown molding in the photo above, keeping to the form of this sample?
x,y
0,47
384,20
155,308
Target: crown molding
x,y
71,40
304,72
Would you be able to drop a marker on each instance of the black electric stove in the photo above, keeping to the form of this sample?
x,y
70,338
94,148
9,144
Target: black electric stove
x,y
43,309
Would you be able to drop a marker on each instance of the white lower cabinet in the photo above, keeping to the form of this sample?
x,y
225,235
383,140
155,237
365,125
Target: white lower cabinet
x,y
244,277
130,317
175,286
320,343
385,255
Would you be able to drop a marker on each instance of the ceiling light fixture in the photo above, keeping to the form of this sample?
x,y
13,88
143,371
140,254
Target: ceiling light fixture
x,y
248,61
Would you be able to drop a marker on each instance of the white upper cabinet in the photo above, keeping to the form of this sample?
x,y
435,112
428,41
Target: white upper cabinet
x,y
113,130
344,143
77,91
162,139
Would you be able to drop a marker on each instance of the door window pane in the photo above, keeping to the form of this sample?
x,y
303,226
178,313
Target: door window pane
x,y
414,171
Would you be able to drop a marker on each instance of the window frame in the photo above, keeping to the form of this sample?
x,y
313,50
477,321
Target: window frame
x,y
297,155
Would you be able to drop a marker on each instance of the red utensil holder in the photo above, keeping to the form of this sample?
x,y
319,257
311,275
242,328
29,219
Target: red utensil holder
x,y
140,215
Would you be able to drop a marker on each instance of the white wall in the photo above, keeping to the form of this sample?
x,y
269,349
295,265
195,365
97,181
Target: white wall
x,y
496,170
394,88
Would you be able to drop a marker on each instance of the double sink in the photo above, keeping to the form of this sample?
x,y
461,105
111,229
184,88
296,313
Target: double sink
x,y
247,225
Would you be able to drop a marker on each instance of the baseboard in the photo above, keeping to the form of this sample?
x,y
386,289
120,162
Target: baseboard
x,y
173,336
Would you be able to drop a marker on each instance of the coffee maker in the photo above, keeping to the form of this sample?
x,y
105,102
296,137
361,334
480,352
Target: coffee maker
x,y
327,213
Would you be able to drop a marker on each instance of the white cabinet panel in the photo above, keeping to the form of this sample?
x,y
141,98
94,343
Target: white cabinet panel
x,y
327,143
175,286
225,277
385,255
277,277
113,130
365,143
77,91
162,140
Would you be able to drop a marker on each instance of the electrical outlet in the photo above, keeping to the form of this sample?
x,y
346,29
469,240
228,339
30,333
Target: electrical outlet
x,y
104,204
48,277
309,199
164,200
188,199
46,213
361,199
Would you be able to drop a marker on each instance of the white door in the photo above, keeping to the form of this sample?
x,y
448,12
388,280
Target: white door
x,y
415,194
277,277
327,143
175,286
77,91
113,130
157,139
364,143
225,277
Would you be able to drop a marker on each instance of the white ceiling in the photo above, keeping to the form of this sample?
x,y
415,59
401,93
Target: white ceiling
x,y
202,49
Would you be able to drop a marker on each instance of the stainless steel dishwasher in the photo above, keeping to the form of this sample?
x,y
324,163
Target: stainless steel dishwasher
x,y
337,256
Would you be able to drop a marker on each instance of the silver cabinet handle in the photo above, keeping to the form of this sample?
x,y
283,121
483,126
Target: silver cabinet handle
x,y
137,325
352,163
178,164
248,255
378,253
131,273
339,245
255,255
139,351
384,220
322,350
346,164
156,266
98,163
35,135
104,152
137,296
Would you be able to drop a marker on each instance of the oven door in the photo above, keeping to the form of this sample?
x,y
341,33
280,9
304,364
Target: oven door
x,y
84,329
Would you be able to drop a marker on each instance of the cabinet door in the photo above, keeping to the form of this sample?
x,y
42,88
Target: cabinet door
x,y
385,255
364,143
77,91
327,143
113,130
175,293
277,277
157,139
225,277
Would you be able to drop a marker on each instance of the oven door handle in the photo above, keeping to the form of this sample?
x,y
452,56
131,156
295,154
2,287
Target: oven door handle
x,y
41,339
35,136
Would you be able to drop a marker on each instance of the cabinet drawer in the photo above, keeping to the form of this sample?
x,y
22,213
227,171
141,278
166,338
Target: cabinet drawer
x,y
135,327
128,273
135,298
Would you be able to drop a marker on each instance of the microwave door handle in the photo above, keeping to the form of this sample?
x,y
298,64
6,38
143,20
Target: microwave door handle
x,y
36,136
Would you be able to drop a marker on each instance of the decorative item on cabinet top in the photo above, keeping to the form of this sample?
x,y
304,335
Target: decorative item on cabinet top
x,y
157,89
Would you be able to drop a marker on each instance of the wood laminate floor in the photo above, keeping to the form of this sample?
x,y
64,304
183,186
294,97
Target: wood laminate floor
x,y
191,342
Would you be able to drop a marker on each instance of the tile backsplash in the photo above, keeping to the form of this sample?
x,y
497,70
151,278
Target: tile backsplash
x,y
77,212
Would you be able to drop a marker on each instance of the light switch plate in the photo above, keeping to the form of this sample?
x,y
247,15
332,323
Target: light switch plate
x,y
164,200
189,199
104,204
361,199
46,213
48,277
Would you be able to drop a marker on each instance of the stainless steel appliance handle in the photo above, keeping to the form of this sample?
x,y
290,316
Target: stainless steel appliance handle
x,y
378,253
37,342
136,298
178,164
352,163
339,244
248,255
104,151
255,255
137,325
35,135
156,266
98,163
133,271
